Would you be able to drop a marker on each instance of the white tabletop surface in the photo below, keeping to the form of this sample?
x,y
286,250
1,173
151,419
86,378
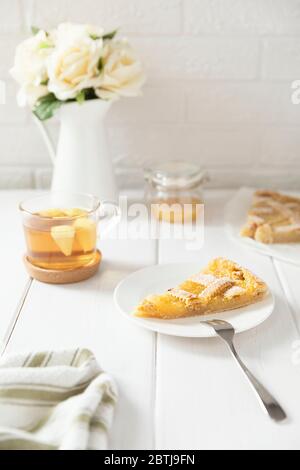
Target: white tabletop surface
x,y
175,393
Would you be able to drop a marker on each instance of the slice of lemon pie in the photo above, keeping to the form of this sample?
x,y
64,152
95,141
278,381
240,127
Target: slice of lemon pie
x,y
222,285
273,218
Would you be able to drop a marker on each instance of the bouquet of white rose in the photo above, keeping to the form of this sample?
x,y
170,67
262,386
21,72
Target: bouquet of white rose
x,y
74,62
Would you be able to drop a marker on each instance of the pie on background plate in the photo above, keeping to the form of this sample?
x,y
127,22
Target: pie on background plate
x,y
273,218
222,285
235,215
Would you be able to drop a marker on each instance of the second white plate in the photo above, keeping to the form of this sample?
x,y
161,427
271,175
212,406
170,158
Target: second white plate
x,y
159,278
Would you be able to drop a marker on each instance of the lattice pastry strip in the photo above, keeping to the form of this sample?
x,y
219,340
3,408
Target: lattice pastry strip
x,y
217,287
288,228
234,291
181,294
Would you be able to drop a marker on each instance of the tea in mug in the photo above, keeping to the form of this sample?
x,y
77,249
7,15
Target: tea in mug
x,y
60,238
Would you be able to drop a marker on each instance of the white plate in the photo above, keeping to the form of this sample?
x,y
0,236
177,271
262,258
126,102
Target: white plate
x,y
235,217
157,279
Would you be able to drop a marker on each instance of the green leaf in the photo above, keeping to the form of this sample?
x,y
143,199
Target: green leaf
x,y
45,82
85,95
80,98
35,30
95,37
89,94
100,64
46,106
110,35
45,45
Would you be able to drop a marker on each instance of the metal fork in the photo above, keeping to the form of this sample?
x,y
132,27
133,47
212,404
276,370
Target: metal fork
x,y
226,332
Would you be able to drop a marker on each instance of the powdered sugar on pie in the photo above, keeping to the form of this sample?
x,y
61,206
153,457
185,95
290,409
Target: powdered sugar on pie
x,y
234,291
203,279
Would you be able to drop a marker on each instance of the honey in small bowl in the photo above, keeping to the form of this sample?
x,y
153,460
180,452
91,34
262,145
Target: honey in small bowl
x,y
177,210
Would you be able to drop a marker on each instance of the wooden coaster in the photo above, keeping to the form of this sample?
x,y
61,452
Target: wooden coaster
x,y
55,276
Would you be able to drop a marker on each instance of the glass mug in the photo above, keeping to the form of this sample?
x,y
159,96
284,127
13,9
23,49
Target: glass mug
x,y
61,228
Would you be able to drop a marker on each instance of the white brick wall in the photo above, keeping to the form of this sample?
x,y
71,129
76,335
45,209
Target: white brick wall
x,y
242,17
218,91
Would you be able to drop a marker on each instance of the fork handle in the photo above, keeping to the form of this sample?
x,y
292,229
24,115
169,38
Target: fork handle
x,y
268,402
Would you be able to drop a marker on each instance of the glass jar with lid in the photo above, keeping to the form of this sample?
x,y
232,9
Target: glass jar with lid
x,y
174,190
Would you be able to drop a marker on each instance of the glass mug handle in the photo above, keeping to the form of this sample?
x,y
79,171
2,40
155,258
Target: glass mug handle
x,y
109,216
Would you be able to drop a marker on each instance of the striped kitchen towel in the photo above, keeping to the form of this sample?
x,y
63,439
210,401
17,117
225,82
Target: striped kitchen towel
x,y
55,400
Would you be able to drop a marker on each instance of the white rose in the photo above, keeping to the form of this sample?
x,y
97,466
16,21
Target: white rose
x,y
74,63
122,74
30,94
29,68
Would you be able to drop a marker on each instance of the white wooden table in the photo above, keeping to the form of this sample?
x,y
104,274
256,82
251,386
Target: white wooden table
x,y
175,393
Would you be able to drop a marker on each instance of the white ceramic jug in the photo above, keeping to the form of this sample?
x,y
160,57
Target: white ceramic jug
x,y
82,163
